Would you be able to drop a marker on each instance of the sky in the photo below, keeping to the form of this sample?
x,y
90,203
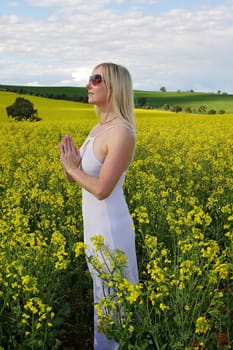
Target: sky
x,y
178,44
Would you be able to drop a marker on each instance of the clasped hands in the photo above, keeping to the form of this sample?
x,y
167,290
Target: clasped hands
x,y
69,154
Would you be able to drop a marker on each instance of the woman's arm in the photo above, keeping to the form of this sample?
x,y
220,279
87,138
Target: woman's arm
x,y
119,147
67,176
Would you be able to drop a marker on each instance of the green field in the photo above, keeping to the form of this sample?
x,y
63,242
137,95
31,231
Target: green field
x,y
188,99
153,99
48,109
58,92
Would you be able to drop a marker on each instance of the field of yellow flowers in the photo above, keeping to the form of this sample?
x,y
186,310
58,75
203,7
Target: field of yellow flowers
x,y
180,193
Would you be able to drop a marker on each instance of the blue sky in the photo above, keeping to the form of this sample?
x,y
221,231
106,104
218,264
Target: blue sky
x,y
178,44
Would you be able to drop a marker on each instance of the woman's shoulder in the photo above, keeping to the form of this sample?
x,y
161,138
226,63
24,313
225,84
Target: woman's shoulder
x,y
122,125
118,128
122,130
121,135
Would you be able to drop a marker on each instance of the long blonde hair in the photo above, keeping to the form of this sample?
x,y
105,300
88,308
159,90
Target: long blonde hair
x,y
120,88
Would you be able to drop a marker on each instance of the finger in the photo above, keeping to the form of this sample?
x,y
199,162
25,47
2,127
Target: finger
x,y
77,151
66,144
72,146
69,143
61,148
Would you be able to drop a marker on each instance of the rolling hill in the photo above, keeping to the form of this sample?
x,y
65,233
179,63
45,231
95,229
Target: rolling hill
x,y
188,101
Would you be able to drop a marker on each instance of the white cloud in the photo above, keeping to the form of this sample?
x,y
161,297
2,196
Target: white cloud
x,y
180,48
33,83
80,75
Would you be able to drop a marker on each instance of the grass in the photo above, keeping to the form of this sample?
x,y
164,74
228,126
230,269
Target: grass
x,y
48,108
49,91
154,99
188,99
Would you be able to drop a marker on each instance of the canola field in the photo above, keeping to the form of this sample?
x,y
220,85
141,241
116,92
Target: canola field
x,y
180,192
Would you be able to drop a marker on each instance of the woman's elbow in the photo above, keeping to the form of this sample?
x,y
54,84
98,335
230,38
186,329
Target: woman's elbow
x,y
103,194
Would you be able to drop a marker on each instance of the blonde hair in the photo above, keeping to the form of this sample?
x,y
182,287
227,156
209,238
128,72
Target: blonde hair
x,y
120,89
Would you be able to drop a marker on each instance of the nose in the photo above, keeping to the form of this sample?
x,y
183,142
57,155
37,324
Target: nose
x,y
88,85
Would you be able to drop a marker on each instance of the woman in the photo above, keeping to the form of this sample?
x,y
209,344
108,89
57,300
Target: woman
x,y
99,167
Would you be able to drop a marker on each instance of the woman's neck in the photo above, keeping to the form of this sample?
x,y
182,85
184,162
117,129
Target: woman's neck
x,y
108,117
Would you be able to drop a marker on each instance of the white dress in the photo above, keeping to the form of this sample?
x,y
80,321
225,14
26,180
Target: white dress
x,y
110,218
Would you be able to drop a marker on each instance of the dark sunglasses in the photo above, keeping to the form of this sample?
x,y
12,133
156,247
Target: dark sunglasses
x,y
95,79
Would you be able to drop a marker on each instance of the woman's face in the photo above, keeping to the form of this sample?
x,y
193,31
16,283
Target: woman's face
x,y
97,90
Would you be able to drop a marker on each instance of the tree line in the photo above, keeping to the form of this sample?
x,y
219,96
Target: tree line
x,y
142,103
41,92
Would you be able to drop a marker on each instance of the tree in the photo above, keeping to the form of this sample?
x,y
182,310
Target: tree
x,y
212,111
141,101
163,89
188,109
176,108
166,107
22,109
202,109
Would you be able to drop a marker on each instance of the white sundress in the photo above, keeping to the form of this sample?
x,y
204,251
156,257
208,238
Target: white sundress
x,y
110,218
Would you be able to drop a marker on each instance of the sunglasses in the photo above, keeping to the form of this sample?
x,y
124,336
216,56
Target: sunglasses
x,y
95,79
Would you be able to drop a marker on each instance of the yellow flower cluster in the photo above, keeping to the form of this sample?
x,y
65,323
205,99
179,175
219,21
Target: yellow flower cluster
x,y
202,325
58,243
40,220
179,190
34,306
120,294
79,248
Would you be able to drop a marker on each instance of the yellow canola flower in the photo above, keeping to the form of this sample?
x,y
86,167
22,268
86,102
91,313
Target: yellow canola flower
x,y
222,269
131,328
187,269
134,291
141,215
29,284
59,243
37,312
211,250
163,307
156,272
98,242
120,258
202,325
79,248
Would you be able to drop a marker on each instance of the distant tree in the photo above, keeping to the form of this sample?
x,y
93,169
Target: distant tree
x,y
202,109
141,101
219,91
166,107
176,108
221,111
163,89
212,111
188,109
22,109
